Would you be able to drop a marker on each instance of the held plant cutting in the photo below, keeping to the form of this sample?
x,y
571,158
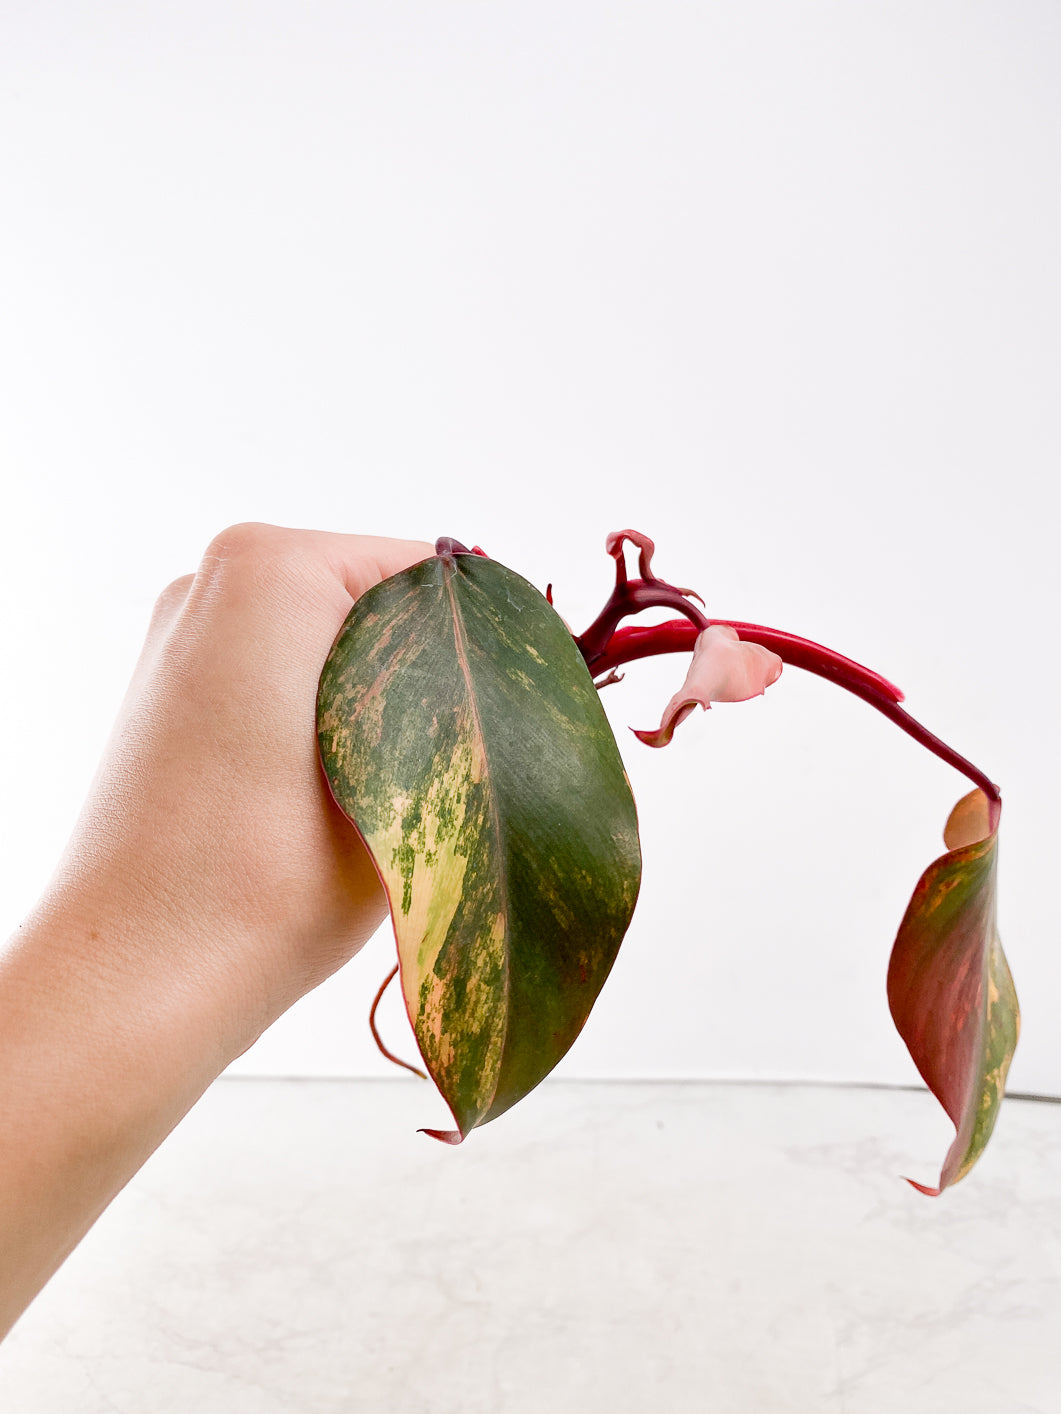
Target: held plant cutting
x,y
461,733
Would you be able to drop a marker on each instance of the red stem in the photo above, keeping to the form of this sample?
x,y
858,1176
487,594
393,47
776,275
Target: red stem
x,y
678,635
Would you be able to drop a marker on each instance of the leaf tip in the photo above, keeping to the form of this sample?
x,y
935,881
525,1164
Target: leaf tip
x,y
673,717
923,1187
444,1136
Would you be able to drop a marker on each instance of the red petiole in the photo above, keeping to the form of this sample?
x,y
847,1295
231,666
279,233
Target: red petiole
x,y
605,646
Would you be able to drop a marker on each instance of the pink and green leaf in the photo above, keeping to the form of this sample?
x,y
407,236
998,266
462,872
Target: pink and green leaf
x,y
949,986
460,731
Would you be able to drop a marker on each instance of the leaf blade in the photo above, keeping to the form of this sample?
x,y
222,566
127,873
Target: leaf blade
x,y
461,733
950,989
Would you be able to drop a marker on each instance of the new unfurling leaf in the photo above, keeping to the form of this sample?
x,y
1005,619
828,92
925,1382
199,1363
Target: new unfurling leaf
x,y
723,670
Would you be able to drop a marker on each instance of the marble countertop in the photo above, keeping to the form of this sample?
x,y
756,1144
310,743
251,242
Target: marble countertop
x,y
735,1248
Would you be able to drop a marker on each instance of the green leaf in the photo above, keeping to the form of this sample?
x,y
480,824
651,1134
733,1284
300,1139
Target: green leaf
x,y
949,985
461,733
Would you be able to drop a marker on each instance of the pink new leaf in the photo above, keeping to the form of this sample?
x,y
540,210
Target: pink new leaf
x,y
723,669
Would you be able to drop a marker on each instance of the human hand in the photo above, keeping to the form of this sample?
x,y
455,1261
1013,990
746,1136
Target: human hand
x,y
209,883
209,821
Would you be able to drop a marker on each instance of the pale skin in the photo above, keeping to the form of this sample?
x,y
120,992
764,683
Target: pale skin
x,y
209,883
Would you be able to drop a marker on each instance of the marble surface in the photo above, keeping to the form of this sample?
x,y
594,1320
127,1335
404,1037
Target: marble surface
x,y
296,1247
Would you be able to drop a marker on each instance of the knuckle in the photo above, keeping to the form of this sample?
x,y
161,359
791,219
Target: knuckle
x,y
176,589
252,557
172,597
251,551
246,540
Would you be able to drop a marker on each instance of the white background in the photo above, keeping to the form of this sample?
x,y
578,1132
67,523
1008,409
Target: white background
x,y
776,283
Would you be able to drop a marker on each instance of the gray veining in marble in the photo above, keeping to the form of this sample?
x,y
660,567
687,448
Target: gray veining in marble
x,y
296,1248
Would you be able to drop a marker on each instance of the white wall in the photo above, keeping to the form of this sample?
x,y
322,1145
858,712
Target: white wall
x,y
774,282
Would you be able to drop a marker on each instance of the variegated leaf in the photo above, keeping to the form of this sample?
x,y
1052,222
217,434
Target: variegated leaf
x,y
461,733
949,985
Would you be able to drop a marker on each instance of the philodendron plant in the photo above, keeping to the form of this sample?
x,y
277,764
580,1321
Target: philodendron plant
x,y
461,733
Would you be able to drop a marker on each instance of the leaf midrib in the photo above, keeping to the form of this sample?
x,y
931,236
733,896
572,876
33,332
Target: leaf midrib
x,y
460,647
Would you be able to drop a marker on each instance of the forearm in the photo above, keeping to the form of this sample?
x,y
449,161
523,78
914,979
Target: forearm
x,y
102,1051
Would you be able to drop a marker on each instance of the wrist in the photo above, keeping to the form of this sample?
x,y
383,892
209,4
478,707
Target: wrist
x,y
136,987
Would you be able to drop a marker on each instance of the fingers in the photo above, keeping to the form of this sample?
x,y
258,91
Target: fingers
x,y
363,560
357,562
360,561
